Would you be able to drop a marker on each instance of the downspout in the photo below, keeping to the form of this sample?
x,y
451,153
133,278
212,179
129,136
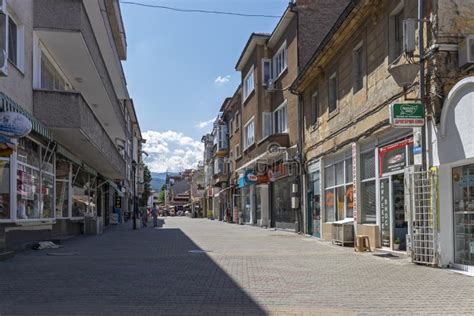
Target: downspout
x,y
299,117
421,9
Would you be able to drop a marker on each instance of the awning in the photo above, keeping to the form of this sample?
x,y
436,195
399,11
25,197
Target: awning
x,y
8,105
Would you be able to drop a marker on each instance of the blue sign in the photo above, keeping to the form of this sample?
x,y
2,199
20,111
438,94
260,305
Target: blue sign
x,y
14,125
416,150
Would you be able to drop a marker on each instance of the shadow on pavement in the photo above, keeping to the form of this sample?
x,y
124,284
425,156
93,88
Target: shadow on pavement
x,y
147,271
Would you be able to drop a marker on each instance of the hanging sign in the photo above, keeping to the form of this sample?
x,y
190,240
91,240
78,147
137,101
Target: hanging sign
x,y
14,124
407,114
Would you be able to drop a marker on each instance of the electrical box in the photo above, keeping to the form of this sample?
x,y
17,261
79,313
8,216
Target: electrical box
x,y
409,30
466,51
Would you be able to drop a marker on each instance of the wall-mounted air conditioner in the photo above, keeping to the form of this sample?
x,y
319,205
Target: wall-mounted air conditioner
x,y
466,51
270,87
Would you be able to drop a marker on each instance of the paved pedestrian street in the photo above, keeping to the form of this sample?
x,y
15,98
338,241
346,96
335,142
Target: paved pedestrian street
x,y
244,270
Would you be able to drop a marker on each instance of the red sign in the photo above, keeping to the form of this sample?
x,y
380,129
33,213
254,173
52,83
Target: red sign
x,y
393,157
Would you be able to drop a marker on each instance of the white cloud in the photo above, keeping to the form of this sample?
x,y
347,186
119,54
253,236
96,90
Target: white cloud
x,y
221,80
171,150
205,123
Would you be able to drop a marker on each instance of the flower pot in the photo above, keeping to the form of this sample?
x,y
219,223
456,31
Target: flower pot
x,y
396,246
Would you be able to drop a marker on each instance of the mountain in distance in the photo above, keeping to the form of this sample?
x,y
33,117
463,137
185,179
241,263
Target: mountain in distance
x,y
159,178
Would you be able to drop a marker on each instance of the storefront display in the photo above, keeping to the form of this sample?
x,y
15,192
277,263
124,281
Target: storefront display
x,y
338,192
83,193
282,214
368,188
4,188
463,211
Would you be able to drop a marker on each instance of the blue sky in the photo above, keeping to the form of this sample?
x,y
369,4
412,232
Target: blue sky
x,y
180,68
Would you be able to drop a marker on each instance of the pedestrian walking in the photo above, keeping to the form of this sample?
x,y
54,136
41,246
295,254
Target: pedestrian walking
x,y
144,216
154,214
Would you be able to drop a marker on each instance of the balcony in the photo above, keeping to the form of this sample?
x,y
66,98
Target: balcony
x,y
76,128
70,31
221,140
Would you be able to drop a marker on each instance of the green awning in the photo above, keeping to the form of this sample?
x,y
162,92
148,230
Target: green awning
x,y
8,105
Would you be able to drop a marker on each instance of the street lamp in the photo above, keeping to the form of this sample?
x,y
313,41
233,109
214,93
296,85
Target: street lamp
x,y
135,215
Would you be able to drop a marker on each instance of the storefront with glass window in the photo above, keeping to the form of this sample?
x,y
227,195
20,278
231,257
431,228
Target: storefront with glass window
x,y
336,191
452,153
381,165
314,198
282,215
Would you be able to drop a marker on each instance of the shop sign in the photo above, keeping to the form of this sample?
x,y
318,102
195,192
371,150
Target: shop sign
x,y
407,114
314,167
14,124
393,157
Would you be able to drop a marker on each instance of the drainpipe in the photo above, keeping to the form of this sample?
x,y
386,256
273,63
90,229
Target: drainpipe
x,y
421,9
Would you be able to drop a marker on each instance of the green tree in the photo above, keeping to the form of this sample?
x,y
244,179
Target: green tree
x,y
147,185
161,197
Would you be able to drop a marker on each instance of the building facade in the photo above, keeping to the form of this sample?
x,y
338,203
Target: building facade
x,y
63,72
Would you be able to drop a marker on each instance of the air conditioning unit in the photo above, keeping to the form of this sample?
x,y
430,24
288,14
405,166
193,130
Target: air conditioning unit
x,y
409,30
466,51
270,85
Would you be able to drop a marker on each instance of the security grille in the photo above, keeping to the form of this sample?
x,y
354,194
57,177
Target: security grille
x,y
422,202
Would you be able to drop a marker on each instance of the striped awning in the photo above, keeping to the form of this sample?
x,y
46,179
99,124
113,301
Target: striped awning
x,y
8,105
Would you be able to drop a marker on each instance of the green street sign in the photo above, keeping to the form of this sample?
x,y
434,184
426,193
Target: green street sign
x,y
407,114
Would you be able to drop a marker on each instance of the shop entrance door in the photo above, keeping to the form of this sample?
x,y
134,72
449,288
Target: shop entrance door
x,y
310,212
393,221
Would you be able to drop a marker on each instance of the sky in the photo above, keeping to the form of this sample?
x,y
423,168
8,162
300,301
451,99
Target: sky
x,y
181,66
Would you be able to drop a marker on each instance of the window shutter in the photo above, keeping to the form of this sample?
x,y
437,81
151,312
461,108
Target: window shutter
x,y
3,38
266,124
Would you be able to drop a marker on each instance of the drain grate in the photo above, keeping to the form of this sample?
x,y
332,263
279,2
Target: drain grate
x,y
198,251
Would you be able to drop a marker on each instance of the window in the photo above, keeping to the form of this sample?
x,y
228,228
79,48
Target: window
x,y
231,126
62,188
12,41
314,108
279,61
51,76
396,33
35,181
5,188
338,193
249,134
367,173
15,43
332,93
280,119
249,84
237,121
237,151
266,71
358,68
83,192
266,124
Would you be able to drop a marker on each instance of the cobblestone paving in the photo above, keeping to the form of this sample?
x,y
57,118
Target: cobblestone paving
x,y
246,270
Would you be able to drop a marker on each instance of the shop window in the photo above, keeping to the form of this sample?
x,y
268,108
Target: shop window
x,y
4,189
83,193
28,153
47,189
62,198
368,205
338,196
28,188
463,208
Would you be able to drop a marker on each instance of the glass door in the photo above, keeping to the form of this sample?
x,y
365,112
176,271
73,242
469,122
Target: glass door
x,y
309,211
400,224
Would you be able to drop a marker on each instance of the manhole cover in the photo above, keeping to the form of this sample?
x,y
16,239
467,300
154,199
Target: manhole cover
x,y
63,254
198,251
